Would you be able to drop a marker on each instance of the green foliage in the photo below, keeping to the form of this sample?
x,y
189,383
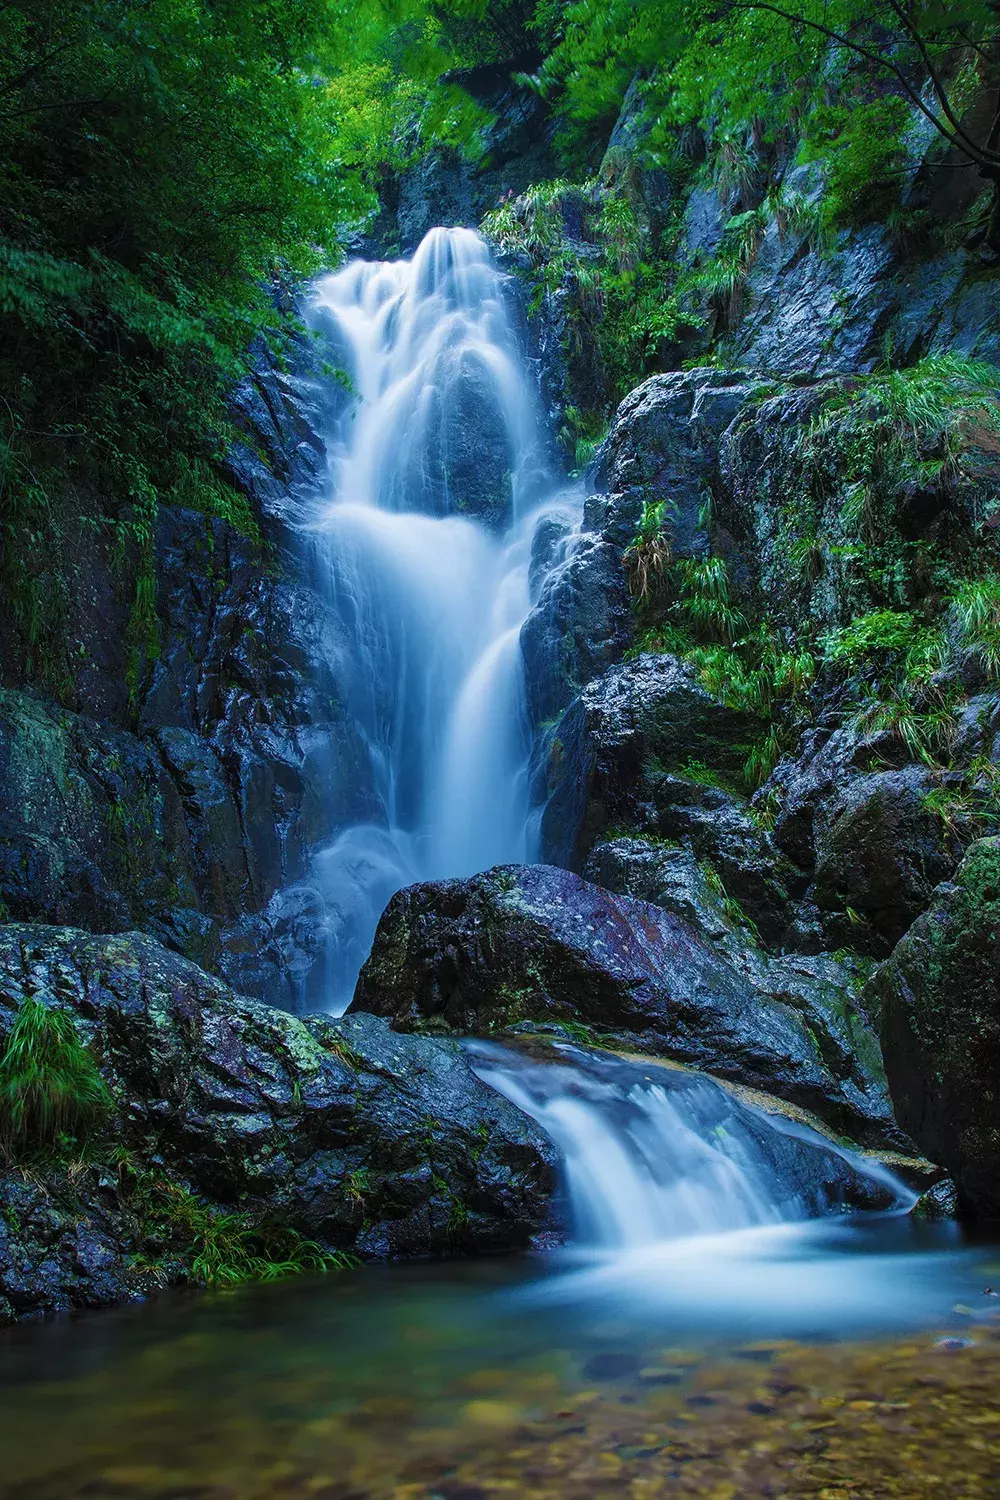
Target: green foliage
x,y
922,726
220,1248
357,1184
886,637
703,604
764,756
861,143
757,674
880,451
614,277
844,75
731,908
697,771
52,1098
158,160
976,610
903,430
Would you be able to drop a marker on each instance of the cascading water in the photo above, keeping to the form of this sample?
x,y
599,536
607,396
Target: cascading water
x,y
438,486
654,1154
438,483
689,1205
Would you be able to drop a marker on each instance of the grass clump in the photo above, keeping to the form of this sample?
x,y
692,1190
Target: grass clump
x,y
222,1248
970,804
976,610
923,725
647,558
51,1094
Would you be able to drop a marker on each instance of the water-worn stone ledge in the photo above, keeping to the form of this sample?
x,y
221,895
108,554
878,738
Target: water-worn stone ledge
x,y
348,1134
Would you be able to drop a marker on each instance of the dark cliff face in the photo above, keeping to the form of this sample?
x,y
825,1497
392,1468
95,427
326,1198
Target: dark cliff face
x,y
185,790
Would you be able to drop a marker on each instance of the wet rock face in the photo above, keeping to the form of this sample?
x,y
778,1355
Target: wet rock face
x,y
540,944
352,1135
186,796
462,464
637,722
581,624
664,446
244,759
939,999
444,187
864,839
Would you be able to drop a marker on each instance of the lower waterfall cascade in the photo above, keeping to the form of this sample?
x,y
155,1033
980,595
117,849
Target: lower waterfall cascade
x,y
657,1153
431,595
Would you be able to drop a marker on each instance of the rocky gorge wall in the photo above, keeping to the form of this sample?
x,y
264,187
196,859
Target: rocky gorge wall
x,y
185,797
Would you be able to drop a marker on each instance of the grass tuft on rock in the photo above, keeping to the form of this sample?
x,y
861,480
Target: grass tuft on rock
x,y
223,1248
51,1094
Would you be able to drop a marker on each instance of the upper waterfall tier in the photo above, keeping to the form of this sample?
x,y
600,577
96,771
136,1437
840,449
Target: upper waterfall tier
x,y
438,483
444,421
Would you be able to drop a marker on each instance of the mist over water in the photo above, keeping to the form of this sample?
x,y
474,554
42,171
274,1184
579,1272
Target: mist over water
x,y
427,561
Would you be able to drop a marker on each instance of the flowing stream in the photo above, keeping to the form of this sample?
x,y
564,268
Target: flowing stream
x,y
438,482
654,1153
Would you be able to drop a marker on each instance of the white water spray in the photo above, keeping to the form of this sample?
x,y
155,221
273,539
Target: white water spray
x,y
438,483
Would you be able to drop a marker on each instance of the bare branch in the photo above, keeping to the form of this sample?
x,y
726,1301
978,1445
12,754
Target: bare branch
x,y
932,73
968,148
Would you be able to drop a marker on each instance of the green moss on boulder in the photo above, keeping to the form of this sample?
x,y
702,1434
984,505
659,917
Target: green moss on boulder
x,y
939,996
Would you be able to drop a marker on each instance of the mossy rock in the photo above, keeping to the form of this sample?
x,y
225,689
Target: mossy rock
x,y
939,998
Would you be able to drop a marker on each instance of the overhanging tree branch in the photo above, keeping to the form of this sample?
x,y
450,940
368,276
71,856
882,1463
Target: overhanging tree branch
x,y
986,158
904,19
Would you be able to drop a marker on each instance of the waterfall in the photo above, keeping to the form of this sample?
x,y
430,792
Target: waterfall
x,y
654,1154
438,482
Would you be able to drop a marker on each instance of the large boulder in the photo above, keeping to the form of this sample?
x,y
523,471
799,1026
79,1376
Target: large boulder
x,y
939,998
342,1131
539,944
